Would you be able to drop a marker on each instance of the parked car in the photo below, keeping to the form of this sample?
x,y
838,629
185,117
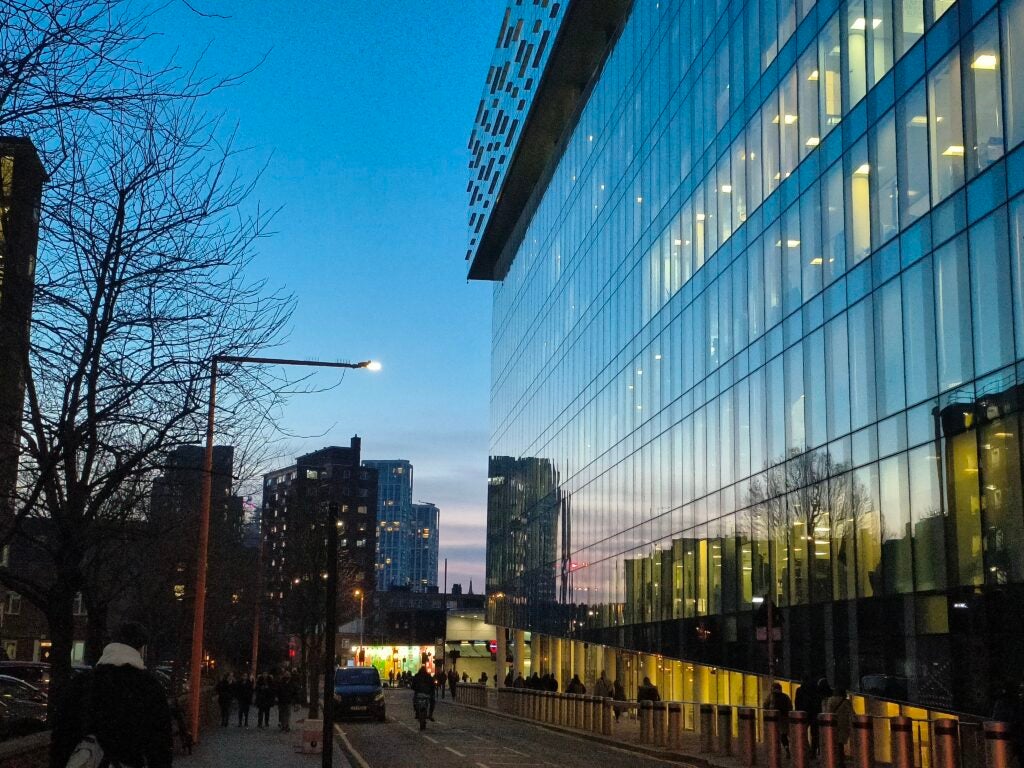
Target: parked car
x,y
358,691
35,673
22,707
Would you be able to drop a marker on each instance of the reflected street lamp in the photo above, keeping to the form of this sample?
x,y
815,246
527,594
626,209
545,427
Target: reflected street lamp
x,y
203,549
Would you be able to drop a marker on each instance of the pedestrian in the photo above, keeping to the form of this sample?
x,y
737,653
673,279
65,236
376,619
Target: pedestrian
x,y
602,689
391,678
225,694
465,677
118,705
840,706
265,699
576,686
453,681
780,701
440,681
243,693
519,682
647,691
509,680
284,692
808,699
483,678
551,683
618,694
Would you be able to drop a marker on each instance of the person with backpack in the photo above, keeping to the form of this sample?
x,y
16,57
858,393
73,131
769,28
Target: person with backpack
x,y
116,714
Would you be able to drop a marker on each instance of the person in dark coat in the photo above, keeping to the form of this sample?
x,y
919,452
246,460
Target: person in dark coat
x,y
648,691
423,683
576,686
243,693
809,699
780,701
453,681
284,693
440,681
618,694
119,703
225,695
265,698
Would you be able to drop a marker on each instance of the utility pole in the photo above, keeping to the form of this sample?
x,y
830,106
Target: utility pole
x,y
330,629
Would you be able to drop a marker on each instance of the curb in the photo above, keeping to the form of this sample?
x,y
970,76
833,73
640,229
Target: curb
x,y
628,746
353,757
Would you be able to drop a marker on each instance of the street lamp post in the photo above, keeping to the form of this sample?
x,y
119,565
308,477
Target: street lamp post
x,y
359,593
199,615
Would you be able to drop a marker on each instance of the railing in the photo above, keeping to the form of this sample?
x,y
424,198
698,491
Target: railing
x,y
755,735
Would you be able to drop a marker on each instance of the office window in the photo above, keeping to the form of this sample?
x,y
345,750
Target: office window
x,y
897,556
792,271
859,192
770,144
912,155
845,497
889,349
773,276
965,506
984,97
1017,266
991,301
837,378
809,79
754,170
1012,17
939,7
919,331
862,364
833,224
910,21
868,525
1002,503
880,34
953,314
811,254
884,190
830,75
787,121
946,136
926,518
738,184
856,51
13,604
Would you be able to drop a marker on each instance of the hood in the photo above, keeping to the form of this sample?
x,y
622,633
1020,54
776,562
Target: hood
x,y
119,655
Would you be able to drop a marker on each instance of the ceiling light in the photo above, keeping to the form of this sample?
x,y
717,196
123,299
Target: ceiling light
x,y
812,141
813,75
859,24
727,189
701,217
677,241
816,261
954,150
919,120
984,61
793,243
789,119
864,170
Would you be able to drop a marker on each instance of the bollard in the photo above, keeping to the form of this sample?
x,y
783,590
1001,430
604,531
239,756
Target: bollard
x,y
748,736
646,713
548,700
565,709
902,737
595,714
660,724
828,738
707,727
607,715
557,714
773,725
947,749
798,722
581,711
863,742
998,745
675,725
724,742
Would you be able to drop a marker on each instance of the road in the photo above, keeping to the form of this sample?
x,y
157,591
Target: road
x,y
469,738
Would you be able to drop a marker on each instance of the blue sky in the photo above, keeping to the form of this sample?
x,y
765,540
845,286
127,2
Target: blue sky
x,y
364,110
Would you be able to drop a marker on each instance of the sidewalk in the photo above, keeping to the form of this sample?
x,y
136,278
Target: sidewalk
x,y
234,747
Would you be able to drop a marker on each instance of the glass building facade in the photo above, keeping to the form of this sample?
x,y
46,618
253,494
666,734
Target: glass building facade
x,y
758,339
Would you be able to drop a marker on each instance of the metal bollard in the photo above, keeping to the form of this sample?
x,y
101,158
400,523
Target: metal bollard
x,y
549,706
828,736
566,708
863,742
675,725
724,742
607,715
594,705
748,735
559,709
902,737
798,723
998,745
660,724
581,711
707,727
646,715
773,725
947,748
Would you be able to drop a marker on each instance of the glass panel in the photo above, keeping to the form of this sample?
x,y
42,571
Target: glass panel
x,y
837,378
859,191
952,309
787,122
965,506
810,242
945,128
754,193
1013,69
1017,265
856,48
939,7
919,331
738,186
1001,480
889,331
927,518
868,526
770,144
884,193
789,245
846,497
794,365
896,536
773,276
912,138
808,77
833,224
831,75
992,309
910,18
815,421
862,364
880,31
984,98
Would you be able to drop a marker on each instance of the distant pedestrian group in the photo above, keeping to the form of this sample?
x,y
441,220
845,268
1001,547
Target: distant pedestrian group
x,y
283,689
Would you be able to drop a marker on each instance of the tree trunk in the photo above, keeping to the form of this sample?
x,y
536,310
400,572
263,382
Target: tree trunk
x,y
313,666
95,633
60,616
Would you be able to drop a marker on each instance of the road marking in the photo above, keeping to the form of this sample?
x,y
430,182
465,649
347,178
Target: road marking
x,y
349,749
482,765
432,741
455,752
516,752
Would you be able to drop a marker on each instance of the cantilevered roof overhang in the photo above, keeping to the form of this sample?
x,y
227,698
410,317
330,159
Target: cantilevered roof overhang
x,y
582,43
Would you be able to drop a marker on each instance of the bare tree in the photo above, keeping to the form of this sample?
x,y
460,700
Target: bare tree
x,y
141,278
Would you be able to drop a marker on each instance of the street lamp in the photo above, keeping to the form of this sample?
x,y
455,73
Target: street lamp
x,y
359,593
202,553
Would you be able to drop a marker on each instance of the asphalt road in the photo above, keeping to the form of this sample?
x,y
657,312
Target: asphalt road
x,y
467,738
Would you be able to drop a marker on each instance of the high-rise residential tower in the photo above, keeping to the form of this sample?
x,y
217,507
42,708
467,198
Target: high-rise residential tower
x,y
394,521
758,344
425,519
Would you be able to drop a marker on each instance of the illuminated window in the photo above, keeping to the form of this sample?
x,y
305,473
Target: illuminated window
x,y
984,98
859,191
945,128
